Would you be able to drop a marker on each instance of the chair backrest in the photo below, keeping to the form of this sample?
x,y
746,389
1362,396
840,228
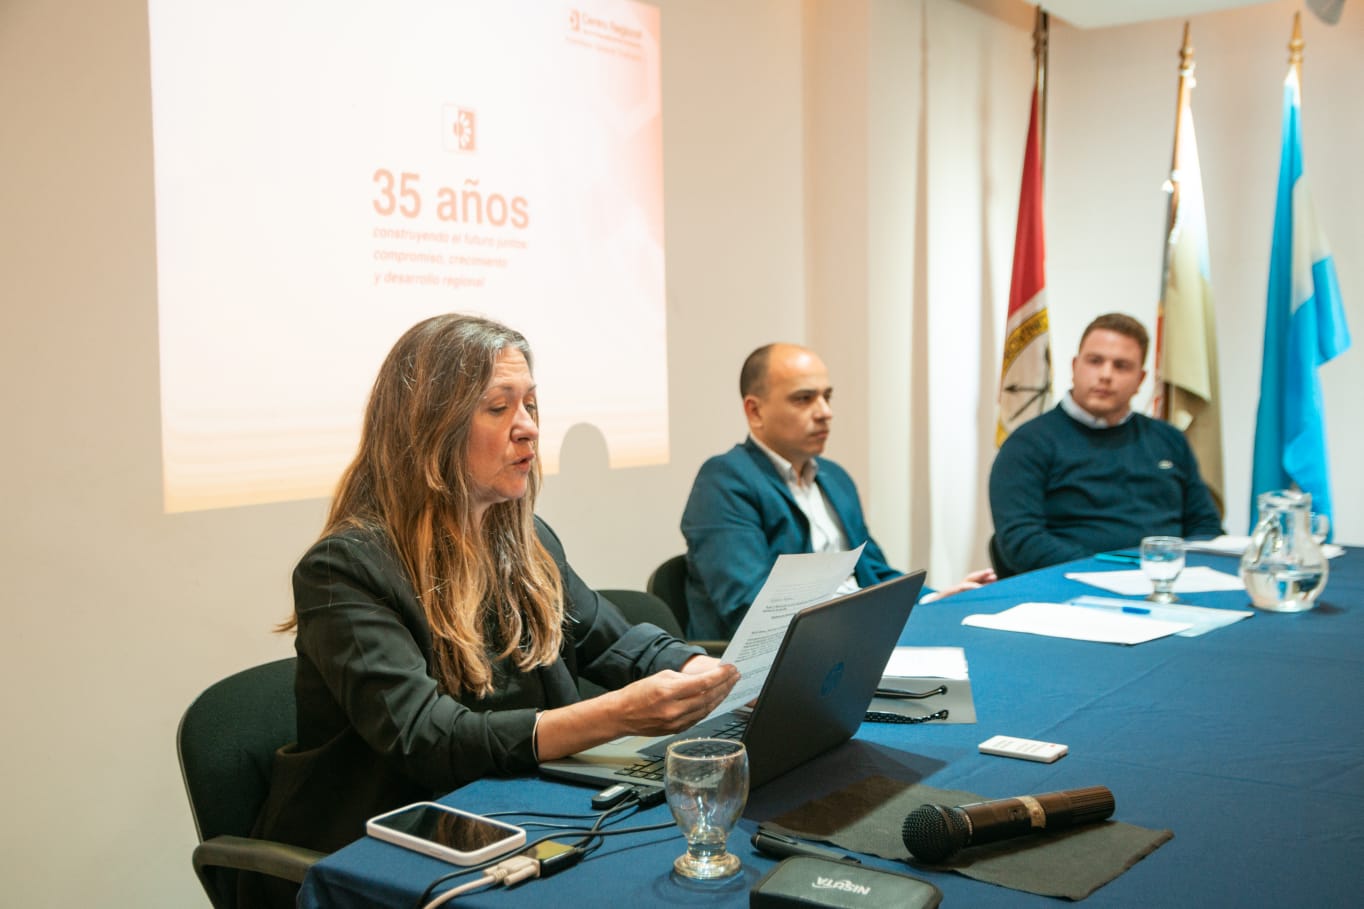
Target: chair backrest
x,y
1001,567
227,741
669,583
638,606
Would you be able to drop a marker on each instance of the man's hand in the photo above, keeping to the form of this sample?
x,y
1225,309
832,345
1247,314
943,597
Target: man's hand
x,y
970,582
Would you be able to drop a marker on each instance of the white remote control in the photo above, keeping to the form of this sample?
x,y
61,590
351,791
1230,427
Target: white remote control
x,y
1026,749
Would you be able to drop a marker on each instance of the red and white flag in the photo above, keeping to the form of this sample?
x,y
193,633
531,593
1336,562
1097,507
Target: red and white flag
x,y
1025,379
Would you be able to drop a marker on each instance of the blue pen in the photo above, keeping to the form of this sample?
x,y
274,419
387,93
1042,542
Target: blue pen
x,y
1116,557
1113,605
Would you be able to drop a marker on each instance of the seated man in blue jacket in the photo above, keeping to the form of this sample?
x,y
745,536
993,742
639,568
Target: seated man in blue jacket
x,y
773,494
1090,475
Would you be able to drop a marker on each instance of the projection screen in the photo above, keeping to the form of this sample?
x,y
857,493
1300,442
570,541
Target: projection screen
x,y
327,174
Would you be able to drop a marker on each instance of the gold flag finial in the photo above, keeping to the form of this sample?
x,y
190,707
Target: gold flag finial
x,y
1186,63
1296,45
1039,34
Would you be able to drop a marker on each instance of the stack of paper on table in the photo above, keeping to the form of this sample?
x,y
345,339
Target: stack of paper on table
x,y
1109,620
1236,545
1202,619
1078,623
1131,582
923,669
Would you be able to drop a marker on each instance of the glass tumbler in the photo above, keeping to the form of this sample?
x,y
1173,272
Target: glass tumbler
x,y
706,781
1162,560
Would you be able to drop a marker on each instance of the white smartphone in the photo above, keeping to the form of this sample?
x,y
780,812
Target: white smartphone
x,y
448,834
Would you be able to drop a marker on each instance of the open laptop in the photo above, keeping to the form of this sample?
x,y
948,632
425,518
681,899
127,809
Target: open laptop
x,y
814,698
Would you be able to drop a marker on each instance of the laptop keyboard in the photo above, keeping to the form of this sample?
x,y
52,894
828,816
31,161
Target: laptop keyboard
x,y
652,768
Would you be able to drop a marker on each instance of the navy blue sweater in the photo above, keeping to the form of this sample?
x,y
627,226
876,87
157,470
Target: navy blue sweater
x,y
1060,490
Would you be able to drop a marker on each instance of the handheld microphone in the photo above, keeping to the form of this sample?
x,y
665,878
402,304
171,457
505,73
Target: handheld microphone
x,y
934,832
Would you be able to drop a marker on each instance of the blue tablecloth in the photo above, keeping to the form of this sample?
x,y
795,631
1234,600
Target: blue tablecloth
x,y
1247,742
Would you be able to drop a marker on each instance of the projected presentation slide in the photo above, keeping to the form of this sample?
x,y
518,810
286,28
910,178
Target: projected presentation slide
x,y
328,174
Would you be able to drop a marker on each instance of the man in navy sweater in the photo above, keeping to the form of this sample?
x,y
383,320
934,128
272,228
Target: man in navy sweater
x,y
1091,475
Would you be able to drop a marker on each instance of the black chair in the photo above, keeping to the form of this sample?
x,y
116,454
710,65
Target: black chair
x,y
226,742
639,606
1001,567
669,583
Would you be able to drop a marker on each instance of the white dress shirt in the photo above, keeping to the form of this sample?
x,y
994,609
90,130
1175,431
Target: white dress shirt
x,y
826,533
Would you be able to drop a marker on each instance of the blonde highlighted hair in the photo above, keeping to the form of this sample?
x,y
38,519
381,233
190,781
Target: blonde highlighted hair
x,y
489,592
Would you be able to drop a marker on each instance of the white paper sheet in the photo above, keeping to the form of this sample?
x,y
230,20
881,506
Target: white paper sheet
x,y
922,669
1228,544
1204,618
1194,579
1077,623
927,662
796,581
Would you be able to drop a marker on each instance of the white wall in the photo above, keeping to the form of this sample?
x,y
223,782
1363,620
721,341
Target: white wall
x,y
733,172
825,182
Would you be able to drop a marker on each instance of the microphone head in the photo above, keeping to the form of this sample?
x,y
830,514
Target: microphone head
x,y
934,832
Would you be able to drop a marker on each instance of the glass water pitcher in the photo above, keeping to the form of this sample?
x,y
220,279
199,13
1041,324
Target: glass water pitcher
x,y
1284,568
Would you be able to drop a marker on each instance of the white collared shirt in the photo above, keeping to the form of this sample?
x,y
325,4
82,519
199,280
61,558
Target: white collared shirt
x,y
1080,415
826,533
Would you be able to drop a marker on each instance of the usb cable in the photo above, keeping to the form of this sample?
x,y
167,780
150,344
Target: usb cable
x,y
546,859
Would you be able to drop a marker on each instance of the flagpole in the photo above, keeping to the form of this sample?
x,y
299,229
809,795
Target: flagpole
x,y
1160,404
1186,83
1041,35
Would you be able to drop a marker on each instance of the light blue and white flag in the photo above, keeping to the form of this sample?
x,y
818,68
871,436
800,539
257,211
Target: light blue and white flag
x,y
1304,328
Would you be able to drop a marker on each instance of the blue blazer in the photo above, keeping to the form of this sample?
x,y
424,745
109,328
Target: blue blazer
x,y
739,517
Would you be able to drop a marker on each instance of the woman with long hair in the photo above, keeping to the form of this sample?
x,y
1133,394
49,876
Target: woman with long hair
x,y
440,630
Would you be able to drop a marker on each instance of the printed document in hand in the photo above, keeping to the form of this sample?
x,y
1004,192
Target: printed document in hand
x,y
796,581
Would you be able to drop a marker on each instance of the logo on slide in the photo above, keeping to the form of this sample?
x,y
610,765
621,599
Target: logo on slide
x,y
460,129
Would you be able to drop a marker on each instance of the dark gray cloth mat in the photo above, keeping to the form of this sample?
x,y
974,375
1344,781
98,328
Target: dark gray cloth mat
x,y
867,816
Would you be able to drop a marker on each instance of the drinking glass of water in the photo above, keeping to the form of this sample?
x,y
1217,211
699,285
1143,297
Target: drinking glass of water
x,y
706,781
1162,560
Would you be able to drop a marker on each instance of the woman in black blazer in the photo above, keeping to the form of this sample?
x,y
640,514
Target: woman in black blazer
x,y
440,630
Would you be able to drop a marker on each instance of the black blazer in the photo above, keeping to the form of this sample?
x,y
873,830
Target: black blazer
x,y
375,729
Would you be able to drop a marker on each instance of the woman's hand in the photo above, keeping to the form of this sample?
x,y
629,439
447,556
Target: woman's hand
x,y
700,663
668,702
661,704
